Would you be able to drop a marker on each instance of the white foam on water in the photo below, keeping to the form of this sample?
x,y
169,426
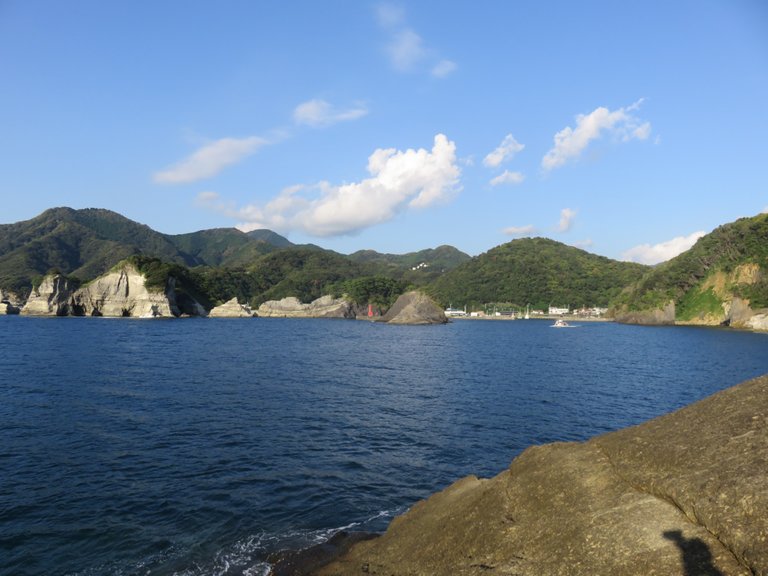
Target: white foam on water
x,y
245,557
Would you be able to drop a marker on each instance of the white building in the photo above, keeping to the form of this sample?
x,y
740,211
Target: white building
x,y
555,311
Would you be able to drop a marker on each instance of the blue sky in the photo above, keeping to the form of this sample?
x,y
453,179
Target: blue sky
x,y
625,128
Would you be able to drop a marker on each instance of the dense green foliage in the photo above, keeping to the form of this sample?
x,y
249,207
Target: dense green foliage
x,y
306,273
89,242
744,241
432,260
84,243
535,271
379,291
222,246
213,266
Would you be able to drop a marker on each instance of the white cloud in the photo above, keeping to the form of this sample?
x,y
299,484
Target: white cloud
x,y
400,180
566,219
647,254
389,15
443,68
504,152
406,49
209,160
528,230
318,113
207,196
508,177
570,142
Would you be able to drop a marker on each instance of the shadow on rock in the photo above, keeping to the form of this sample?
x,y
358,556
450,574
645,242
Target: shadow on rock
x,y
697,559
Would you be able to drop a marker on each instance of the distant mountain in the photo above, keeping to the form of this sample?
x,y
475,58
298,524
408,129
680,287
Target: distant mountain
x,y
270,238
536,271
304,272
221,247
443,258
729,263
83,243
86,243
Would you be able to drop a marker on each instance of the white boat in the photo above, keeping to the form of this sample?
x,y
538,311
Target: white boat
x,y
560,323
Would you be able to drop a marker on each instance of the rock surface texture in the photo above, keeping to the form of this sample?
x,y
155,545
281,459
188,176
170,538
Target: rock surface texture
x,y
122,292
685,494
231,309
659,316
324,307
52,298
414,308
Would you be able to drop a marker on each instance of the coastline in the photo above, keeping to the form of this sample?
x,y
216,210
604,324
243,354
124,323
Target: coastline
x,y
680,494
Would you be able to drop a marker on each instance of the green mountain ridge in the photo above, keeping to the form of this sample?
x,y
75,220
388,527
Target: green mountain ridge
x,y
536,271
730,262
726,270
222,262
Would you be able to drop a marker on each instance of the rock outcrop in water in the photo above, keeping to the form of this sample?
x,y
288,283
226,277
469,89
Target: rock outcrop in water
x,y
53,297
414,308
324,307
684,494
231,309
9,303
121,292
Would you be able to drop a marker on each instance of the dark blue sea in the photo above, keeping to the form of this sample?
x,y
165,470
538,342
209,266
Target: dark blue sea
x,y
196,447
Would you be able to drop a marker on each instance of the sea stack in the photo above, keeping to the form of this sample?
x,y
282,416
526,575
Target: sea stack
x,y
415,308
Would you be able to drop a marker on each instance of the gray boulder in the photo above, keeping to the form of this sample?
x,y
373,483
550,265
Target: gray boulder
x,y
231,309
323,307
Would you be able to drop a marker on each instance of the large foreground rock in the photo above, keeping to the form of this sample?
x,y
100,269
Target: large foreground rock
x,y
323,307
685,494
415,308
231,309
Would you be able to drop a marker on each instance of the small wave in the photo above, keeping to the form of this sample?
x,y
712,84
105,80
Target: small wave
x,y
244,557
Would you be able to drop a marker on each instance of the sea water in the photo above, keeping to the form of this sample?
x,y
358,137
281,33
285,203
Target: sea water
x,y
196,447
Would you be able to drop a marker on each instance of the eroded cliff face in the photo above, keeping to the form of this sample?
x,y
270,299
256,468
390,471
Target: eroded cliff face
x,y
679,495
323,307
53,297
713,302
122,292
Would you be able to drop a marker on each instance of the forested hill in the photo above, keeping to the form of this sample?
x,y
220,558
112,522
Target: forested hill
x,y
539,272
222,262
730,262
86,243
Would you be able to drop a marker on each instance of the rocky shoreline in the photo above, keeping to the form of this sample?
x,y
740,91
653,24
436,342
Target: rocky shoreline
x,y
683,494
123,293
